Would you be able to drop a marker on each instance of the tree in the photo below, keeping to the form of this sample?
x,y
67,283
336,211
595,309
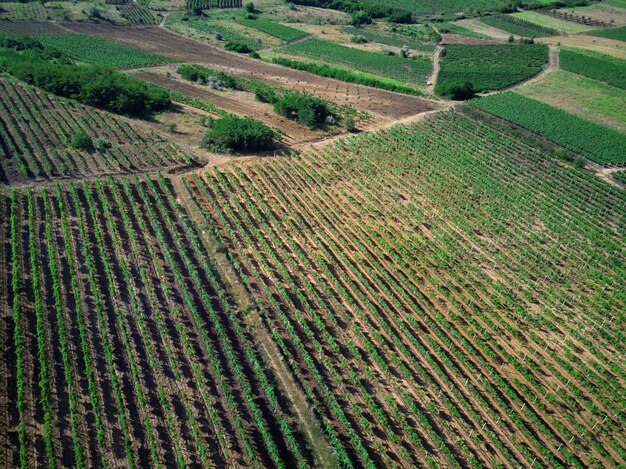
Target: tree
x,y
250,7
456,91
81,141
232,133
360,18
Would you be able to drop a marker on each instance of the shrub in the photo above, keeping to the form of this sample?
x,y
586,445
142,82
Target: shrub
x,y
349,124
358,39
250,7
578,162
360,18
102,143
238,47
456,91
305,109
81,141
237,134
401,17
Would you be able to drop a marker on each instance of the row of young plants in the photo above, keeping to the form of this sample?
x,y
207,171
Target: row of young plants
x,y
518,26
39,137
489,349
601,67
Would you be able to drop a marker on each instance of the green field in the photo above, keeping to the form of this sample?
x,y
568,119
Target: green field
x,y
413,70
552,23
280,31
23,11
594,65
490,67
101,51
211,29
593,141
389,39
582,96
518,26
619,34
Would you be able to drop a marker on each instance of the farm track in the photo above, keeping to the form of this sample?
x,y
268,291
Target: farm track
x,y
381,102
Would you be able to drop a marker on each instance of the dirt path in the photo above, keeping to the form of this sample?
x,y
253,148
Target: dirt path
x,y
435,73
322,452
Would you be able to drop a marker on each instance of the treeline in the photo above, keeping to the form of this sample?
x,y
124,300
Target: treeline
x,y
29,61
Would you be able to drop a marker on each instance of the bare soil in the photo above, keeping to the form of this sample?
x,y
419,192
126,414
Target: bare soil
x,y
238,102
381,102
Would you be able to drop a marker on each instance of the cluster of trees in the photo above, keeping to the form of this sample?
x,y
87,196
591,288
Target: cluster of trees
x,y
29,61
354,6
456,91
239,134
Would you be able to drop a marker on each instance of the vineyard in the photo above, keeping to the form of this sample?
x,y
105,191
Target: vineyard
x,y
593,141
101,51
34,141
491,67
132,349
207,4
619,34
545,21
518,26
414,70
259,235
593,65
137,14
382,266
286,33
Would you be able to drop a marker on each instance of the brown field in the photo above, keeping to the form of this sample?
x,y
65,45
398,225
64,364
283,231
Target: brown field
x,y
383,103
237,102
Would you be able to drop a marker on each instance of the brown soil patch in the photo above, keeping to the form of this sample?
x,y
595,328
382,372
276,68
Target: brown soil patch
x,y
237,102
383,103
459,39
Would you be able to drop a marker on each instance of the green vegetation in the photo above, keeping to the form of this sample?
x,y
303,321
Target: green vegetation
x,y
280,31
619,34
239,134
208,4
451,28
94,85
456,91
594,65
100,51
414,70
239,47
519,26
489,67
549,22
81,141
389,39
582,96
620,176
218,32
380,8
593,141
422,33
349,76
303,108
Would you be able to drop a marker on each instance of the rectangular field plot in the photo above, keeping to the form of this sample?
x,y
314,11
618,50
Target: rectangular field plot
x,y
490,67
100,51
422,285
591,140
601,67
414,70
124,347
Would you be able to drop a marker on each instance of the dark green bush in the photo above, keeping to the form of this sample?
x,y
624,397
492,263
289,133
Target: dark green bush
x,y
238,134
456,91
238,47
81,141
305,109
360,18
